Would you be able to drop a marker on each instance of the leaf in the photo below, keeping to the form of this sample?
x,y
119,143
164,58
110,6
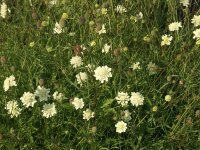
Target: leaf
x,y
107,102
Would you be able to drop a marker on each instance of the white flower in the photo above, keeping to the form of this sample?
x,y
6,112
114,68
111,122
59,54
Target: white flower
x,y
122,98
58,96
174,26
76,61
121,126
168,98
81,77
166,40
121,9
49,110
9,82
104,11
135,66
42,93
57,29
185,2
106,48
53,2
153,68
103,29
88,114
28,99
4,9
138,16
13,108
196,34
78,103
196,20
102,73
136,99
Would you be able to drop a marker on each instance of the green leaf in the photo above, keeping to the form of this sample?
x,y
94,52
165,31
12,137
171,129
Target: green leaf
x,y
107,102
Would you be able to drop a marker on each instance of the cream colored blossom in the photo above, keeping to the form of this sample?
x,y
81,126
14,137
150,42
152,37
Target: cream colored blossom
x,y
81,77
166,40
9,82
185,3
42,93
88,114
28,99
58,28
122,98
120,9
103,29
196,34
58,96
196,20
135,66
174,26
49,110
106,48
13,108
136,99
121,127
102,73
76,61
78,103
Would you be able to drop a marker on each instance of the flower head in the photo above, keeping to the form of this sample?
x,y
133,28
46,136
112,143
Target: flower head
x,y
185,2
102,73
121,126
168,98
166,40
174,26
76,61
120,9
13,108
136,99
88,114
28,99
42,93
58,96
106,48
58,28
49,110
196,34
3,10
81,77
135,66
78,103
103,29
9,82
122,98
196,20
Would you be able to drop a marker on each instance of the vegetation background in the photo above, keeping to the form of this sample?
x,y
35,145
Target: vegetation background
x,y
175,125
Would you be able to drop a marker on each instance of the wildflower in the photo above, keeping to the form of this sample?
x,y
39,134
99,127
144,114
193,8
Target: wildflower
x,y
166,40
58,28
76,61
106,48
53,2
122,98
9,82
155,108
136,99
49,110
88,114
13,108
28,99
196,34
58,96
92,43
185,2
196,20
120,9
4,9
81,77
104,11
153,68
78,103
102,73
168,98
32,44
135,66
42,93
102,30
174,26
121,126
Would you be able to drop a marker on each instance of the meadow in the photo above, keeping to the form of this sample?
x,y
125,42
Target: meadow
x,y
100,75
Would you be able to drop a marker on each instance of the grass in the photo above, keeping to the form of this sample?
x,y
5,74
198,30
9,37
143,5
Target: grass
x,y
175,125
